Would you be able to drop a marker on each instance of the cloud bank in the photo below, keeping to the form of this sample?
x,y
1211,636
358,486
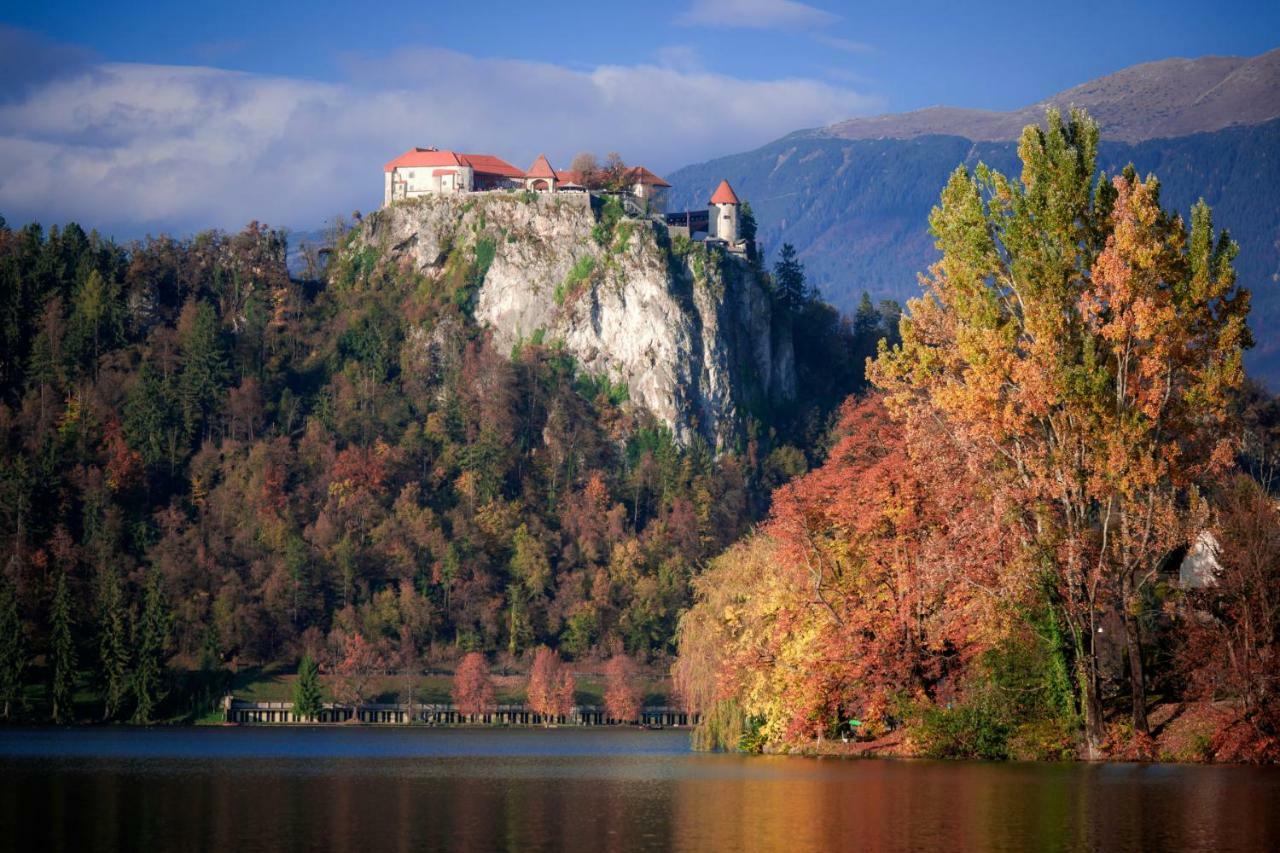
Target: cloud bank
x,y
755,14
131,148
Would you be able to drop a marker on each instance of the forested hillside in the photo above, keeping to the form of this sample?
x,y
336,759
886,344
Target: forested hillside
x,y
208,464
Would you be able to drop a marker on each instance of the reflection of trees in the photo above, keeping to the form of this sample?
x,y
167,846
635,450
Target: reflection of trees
x,y
624,802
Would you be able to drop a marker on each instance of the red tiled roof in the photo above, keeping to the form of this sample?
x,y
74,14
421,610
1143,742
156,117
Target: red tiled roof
x,y
435,173
641,175
484,164
724,194
541,168
568,176
423,157
487,164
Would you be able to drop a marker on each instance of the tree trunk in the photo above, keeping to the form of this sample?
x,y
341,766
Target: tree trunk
x,y
1087,684
1133,641
1091,705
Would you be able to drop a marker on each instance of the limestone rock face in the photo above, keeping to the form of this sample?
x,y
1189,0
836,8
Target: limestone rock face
x,y
689,330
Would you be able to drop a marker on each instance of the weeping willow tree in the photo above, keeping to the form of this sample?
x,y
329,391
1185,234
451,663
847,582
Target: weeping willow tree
x,y
713,673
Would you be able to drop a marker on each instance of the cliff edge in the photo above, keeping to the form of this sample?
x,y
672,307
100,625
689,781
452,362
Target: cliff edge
x,y
686,327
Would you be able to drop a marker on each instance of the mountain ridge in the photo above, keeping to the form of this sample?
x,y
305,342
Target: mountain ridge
x,y
856,208
1153,100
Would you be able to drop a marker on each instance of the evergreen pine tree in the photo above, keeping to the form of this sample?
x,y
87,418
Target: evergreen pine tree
x,y
307,696
151,642
62,651
152,415
204,370
747,229
113,644
13,651
788,280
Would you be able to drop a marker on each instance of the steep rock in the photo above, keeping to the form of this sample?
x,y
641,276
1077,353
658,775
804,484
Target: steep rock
x,y
688,330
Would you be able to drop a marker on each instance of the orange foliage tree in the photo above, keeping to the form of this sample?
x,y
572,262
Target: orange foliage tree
x,y
848,597
358,666
1079,345
473,691
551,684
622,692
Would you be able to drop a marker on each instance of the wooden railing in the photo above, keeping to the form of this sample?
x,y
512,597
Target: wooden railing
x,y
402,713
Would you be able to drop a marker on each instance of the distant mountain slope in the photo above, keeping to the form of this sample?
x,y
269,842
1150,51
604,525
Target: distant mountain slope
x,y
1173,97
857,208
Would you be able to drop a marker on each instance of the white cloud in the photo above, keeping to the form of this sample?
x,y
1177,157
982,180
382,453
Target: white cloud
x,y
844,44
755,14
131,147
681,57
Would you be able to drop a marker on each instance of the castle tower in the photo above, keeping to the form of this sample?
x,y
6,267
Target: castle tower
x,y
723,209
541,176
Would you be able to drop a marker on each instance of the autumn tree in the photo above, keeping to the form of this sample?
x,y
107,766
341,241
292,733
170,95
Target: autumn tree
x,y
1079,345
622,689
13,651
614,172
848,598
359,665
551,685
62,651
587,168
308,695
1232,626
473,691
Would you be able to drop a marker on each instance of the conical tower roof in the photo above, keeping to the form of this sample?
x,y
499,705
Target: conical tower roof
x,y
541,168
724,194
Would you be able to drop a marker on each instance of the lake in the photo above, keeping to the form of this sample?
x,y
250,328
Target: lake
x,y
263,790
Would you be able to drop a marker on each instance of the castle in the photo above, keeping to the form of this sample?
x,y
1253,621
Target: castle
x,y
431,171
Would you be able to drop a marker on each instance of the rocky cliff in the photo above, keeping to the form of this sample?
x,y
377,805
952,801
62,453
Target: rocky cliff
x,y
689,331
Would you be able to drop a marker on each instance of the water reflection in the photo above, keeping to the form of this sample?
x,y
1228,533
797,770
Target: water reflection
x,y
259,790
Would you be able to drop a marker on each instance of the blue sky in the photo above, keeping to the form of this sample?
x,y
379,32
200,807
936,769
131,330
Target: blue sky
x,y
176,116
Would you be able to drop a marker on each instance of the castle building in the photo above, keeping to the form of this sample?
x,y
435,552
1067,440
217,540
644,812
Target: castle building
x,y
426,171
431,171
540,177
422,171
723,214
639,182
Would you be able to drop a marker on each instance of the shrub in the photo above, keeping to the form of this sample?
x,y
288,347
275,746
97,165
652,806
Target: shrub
x,y
963,731
581,271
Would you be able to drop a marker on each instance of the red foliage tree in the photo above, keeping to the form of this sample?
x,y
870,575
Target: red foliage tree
x,y
551,684
360,664
473,691
1232,649
622,693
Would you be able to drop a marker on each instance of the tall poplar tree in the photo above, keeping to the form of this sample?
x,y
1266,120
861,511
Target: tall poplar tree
x,y
1080,347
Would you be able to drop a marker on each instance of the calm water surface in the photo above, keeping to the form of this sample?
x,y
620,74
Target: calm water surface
x,y
280,790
